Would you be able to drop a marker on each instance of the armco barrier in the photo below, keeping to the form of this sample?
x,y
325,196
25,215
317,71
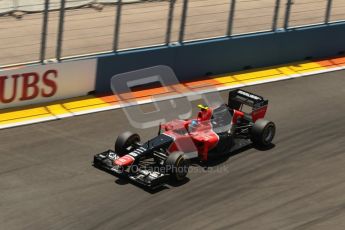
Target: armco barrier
x,y
217,56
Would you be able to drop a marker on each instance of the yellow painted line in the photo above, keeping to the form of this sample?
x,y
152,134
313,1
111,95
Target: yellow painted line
x,y
306,67
225,79
269,78
24,113
286,70
84,103
89,107
24,119
240,77
256,75
57,109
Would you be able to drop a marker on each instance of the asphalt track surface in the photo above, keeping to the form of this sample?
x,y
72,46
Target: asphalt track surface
x,y
47,181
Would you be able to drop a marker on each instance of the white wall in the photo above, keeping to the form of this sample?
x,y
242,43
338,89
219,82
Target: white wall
x,y
46,83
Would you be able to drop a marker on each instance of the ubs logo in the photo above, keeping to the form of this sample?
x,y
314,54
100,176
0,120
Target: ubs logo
x,y
27,86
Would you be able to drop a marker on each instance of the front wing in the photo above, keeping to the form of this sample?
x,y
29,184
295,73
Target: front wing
x,y
150,179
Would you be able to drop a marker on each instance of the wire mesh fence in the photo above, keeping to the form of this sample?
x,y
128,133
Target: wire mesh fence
x,y
88,30
143,24
34,6
337,10
38,30
306,12
253,15
206,19
20,40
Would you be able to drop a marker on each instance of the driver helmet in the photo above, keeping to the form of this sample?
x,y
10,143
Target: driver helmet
x,y
203,107
205,114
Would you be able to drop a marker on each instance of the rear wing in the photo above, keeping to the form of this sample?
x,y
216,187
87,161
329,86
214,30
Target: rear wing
x,y
239,97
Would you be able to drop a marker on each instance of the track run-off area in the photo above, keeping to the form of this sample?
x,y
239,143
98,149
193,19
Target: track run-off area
x,y
47,180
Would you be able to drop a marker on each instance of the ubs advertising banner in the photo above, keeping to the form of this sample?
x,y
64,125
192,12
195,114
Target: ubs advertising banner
x,y
45,83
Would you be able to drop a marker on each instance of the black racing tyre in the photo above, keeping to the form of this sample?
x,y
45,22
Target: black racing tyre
x,y
263,132
124,141
177,166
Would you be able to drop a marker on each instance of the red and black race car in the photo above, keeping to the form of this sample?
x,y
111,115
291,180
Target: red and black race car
x,y
215,131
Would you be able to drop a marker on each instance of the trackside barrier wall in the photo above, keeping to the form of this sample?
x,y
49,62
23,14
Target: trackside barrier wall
x,y
221,55
34,84
46,83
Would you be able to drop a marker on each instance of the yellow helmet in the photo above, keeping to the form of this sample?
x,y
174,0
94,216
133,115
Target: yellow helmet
x,y
202,106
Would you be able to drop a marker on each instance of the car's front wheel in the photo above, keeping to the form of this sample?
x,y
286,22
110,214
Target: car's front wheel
x,y
177,166
124,141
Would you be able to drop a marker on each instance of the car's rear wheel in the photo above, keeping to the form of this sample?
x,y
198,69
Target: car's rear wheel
x,y
124,141
262,133
177,166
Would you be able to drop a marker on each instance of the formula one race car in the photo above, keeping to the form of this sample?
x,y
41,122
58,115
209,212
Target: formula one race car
x,y
215,132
